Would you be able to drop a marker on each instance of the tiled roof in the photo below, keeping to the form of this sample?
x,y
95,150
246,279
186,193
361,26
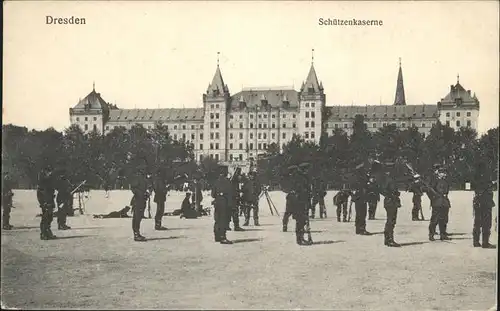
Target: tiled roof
x,y
312,81
458,91
92,101
274,97
153,115
217,83
386,111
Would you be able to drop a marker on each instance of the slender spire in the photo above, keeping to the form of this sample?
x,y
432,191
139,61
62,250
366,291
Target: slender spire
x,y
312,57
399,99
458,78
218,53
93,86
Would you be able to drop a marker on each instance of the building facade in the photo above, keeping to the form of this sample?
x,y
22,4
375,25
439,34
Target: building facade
x,y
239,127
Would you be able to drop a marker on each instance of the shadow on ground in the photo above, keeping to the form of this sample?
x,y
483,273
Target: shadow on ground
x,y
72,237
327,242
246,240
166,238
413,243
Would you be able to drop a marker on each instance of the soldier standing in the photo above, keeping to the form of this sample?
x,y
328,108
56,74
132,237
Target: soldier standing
x,y
161,189
235,200
359,197
64,201
373,197
340,200
45,195
198,196
319,193
251,193
291,203
392,202
7,195
482,204
417,189
221,192
141,193
437,191
302,189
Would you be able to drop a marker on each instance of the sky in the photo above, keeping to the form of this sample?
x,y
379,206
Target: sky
x,y
164,54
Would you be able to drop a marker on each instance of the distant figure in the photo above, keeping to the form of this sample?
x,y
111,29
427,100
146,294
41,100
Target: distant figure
x,y
7,195
64,200
340,200
123,213
187,210
45,194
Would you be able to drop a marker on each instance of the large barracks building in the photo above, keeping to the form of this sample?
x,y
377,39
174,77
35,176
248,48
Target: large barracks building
x,y
239,127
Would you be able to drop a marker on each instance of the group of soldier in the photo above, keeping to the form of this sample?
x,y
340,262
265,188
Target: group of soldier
x,y
238,194
368,188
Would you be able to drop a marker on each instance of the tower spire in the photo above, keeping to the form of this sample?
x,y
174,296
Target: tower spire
x,y
312,56
458,78
399,99
218,53
93,86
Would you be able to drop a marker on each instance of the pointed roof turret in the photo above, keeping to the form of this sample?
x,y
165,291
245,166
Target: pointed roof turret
x,y
311,81
400,99
217,84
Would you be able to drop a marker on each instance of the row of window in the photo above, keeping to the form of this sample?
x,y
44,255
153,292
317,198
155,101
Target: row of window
x,y
86,127
458,124
260,116
374,125
374,115
86,119
259,135
312,114
457,114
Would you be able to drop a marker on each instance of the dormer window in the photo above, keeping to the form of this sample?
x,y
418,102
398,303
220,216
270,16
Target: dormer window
x,y
310,90
458,101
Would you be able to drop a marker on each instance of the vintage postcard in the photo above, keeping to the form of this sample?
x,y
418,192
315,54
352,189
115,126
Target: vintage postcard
x,y
291,155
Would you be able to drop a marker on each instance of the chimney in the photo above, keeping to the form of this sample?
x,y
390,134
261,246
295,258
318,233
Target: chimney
x,y
468,92
452,88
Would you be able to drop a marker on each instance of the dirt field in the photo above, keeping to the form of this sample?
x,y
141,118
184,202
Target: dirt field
x,y
98,265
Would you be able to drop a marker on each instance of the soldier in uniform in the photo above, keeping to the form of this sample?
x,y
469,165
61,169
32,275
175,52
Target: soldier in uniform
x,y
417,189
251,193
392,202
340,200
319,193
221,192
373,197
64,201
141,194
235,200
437,191
483,204
301,187
45,195
359,197
291,202
161,189
7,195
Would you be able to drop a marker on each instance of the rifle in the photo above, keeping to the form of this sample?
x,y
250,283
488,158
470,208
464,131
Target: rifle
x,y
350,211
149,207
73,191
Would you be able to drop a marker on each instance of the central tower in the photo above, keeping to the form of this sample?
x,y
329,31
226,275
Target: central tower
x,y
216,104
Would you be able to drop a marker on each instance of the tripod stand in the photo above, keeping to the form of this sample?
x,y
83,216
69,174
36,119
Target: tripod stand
x,y
269,201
